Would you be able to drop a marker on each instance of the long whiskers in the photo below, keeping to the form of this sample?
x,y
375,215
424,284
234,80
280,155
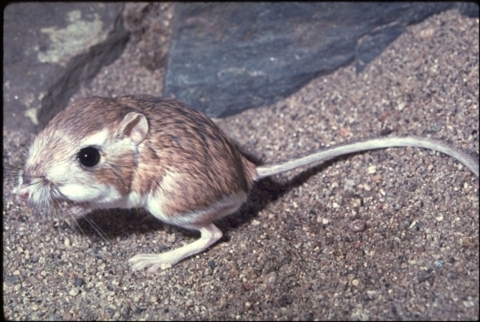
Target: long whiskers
x,y
11,174
47,201
97,229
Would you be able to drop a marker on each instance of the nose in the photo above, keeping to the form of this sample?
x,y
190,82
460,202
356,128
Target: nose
x,y
24,195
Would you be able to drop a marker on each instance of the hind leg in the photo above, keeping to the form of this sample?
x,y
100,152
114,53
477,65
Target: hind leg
x,y
202,221
209,235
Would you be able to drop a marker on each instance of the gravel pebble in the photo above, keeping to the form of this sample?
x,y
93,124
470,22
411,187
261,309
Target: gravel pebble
x,y
358,226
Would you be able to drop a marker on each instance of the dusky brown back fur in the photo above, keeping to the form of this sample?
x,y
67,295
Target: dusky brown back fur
x,y
180,140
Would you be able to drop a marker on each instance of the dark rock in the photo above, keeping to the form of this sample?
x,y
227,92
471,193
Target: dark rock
x,y
79,282
12,279
469,9
50,49
225,58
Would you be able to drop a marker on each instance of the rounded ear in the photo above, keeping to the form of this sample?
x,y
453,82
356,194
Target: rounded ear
x,y
135,126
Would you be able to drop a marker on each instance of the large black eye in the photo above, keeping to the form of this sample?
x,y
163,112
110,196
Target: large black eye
x,y
89,156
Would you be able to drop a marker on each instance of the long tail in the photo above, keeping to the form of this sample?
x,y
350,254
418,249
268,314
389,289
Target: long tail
x,y
470,161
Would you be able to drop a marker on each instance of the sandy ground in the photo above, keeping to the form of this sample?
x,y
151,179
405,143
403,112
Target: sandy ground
x,y
389,234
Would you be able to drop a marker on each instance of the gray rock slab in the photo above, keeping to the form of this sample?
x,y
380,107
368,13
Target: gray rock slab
x,y
49,50
225,58
217,63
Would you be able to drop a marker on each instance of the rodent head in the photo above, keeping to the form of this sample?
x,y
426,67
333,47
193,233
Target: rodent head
x,y
86,154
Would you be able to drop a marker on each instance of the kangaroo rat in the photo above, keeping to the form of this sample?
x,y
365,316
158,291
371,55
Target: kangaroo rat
x,y
159,154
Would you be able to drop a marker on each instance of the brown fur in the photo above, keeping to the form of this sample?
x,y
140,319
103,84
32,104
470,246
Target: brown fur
x,y
69,127
180,141
185,142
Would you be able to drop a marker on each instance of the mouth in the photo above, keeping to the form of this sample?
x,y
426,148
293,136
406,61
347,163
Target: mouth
x,y
43,196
